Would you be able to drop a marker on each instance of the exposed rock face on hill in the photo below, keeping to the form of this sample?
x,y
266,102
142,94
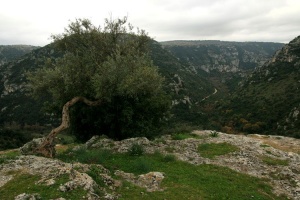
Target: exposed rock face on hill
x,y
252,157
270,97
222,56
224,63
288,55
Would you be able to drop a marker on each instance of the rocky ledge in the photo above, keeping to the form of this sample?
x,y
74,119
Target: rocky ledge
x,y
51,169
248,159
285,179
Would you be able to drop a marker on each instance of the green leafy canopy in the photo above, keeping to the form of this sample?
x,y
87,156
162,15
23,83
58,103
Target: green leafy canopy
x,y
97,63
100,63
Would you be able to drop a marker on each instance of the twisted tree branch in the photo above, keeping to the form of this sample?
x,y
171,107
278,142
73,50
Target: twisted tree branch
x,y
47,147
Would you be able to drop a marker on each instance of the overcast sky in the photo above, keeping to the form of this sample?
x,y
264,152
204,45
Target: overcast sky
x,y
33,21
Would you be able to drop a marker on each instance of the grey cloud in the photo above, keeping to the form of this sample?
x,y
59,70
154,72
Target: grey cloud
x,y
232,20
242,20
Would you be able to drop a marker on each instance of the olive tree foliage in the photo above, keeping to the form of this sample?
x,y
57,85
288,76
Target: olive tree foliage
x,y
99,65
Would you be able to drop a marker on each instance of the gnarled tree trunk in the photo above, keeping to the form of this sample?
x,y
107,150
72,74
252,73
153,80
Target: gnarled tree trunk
x,y
47,148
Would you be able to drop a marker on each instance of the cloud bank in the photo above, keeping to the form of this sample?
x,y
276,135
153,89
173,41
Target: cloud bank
x,y
33,21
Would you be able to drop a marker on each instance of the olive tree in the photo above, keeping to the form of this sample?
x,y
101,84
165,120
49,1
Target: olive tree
x,y
98,65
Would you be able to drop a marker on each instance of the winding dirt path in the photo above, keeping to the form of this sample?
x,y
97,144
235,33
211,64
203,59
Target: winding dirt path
x,y
215,92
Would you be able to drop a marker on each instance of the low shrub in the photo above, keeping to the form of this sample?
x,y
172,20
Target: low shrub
x,y
141,166
95,156
136,150
169,158
95,173
214,134
180,128
182,136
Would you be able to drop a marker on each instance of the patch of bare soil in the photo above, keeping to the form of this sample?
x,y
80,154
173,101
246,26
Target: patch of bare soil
x,y
286,144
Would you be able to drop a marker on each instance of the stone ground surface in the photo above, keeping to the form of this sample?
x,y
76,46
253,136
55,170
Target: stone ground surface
x,y
248,160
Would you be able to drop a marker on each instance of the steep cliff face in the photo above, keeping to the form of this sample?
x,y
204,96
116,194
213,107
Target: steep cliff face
x,y
223,56
283,62
269,98
224,63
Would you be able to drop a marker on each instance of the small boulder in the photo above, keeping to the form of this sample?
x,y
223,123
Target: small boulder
x,y
25,196
29,147
151,181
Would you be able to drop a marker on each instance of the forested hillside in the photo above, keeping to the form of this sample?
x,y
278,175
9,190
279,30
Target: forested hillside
x,y
11,52
15,105
268,100
199,75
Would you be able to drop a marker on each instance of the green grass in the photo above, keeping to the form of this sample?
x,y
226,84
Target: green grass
x,y
65,138
10,155
182,136
169,158
95,172
25,183
211,150
95,156
264,145
184,180
274,161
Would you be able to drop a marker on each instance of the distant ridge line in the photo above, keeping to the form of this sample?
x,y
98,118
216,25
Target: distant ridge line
x,y
208,42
